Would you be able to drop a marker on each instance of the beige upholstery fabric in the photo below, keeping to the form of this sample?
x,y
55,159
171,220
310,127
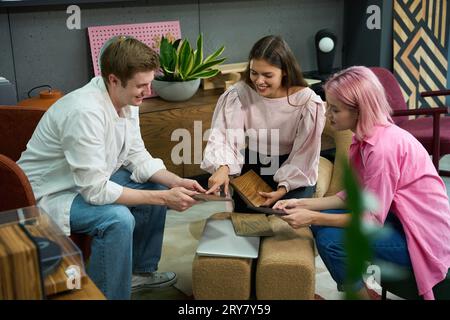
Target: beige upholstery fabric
x,y
324,179
217,278
327,142
342,140
285,268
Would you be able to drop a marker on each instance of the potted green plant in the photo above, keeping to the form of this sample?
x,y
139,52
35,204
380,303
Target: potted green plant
x,y
182,68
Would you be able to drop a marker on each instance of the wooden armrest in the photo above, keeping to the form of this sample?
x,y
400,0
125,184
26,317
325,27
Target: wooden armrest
x,y
426,111
445,92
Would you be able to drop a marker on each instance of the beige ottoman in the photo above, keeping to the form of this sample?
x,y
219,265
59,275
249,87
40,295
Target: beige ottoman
x,y
220,278
217,278
286,268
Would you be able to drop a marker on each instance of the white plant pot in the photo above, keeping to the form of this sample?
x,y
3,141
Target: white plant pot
x,y
177,90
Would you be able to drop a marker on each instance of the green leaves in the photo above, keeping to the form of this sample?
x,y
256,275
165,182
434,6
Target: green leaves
x,y
167,57
198,54
180,62
356,242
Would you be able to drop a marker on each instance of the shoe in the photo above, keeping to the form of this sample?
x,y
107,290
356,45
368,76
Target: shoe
x,y
153,280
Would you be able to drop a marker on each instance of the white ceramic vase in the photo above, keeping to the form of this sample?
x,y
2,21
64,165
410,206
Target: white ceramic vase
x,y
176,90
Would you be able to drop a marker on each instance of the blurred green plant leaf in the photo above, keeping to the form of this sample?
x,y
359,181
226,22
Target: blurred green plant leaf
x,y
356,242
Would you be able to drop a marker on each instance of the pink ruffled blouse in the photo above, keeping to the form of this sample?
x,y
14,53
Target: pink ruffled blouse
x,y
272,127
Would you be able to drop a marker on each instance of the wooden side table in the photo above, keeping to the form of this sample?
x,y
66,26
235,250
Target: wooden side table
x,y
159,119
89,291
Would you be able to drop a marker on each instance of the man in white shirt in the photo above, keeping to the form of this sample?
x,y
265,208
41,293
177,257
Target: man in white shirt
x,y
90,171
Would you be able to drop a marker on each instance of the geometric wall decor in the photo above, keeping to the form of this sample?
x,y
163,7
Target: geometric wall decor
x,y
420,45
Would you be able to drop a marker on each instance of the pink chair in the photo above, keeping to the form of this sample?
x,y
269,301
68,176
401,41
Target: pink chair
x,y
433,132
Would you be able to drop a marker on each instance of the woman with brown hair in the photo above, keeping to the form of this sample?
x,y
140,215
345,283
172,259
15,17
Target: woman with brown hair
x,y
270,122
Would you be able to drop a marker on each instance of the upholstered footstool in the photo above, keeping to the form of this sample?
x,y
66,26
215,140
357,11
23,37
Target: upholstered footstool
x,y
221,278
286,264
217,278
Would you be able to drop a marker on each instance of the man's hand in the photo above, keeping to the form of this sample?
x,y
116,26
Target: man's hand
x,y
190,185
298,218
272,197
179,198
218,179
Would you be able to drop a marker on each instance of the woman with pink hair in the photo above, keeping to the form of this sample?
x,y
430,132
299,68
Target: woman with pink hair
x,y
393,166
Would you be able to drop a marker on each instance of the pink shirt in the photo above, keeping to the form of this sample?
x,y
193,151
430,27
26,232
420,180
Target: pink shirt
x,y
274,127
395,167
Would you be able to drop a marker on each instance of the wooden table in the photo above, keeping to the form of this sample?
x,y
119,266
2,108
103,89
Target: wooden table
x,y
89,291
159,119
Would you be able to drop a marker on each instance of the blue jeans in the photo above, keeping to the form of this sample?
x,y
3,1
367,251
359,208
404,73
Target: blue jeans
x,y
330,244
125,239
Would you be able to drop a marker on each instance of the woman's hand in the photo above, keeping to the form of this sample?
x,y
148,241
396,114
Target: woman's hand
x,y
305,203
298,218
218,179
272,197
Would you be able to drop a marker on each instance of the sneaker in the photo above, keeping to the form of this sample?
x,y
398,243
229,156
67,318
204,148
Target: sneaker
x,y
153,280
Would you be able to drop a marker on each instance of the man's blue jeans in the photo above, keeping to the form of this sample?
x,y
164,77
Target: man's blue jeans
x,y
330,243
125,240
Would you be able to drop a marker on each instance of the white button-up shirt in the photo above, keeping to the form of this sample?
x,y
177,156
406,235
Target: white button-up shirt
x,y
76,147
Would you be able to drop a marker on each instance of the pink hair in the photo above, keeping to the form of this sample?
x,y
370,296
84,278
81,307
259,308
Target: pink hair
x,y
359,88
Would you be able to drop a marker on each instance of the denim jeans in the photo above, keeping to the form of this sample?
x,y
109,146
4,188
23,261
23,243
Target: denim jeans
x,y
301,192
330,243
125,240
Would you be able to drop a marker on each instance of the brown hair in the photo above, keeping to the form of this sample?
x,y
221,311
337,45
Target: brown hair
x,y
124,57
276,52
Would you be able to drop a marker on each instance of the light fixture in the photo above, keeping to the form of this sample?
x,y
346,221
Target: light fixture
x,y
325,48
